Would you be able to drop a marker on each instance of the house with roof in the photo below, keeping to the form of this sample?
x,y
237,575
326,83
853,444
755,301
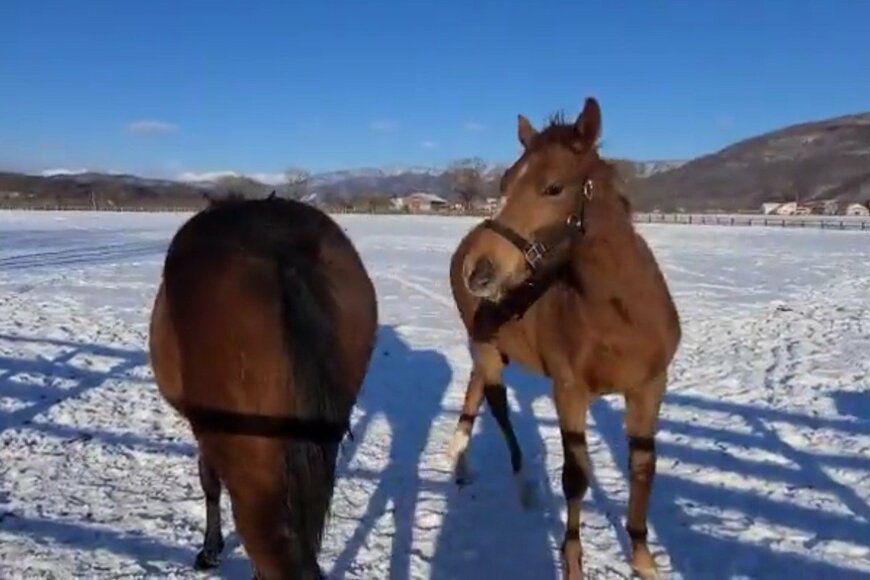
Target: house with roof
x,y
789,208
770,207
857,210
421,202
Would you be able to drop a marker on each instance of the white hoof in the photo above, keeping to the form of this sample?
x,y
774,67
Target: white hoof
x,y
458,446
457,453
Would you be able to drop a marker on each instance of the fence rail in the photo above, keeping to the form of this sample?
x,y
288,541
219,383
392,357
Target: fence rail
x,y
854,223
746,220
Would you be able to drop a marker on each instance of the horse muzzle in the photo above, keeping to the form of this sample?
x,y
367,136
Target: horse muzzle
x,y
481,278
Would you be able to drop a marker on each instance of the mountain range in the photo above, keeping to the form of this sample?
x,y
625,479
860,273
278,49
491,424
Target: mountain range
x,y
824,159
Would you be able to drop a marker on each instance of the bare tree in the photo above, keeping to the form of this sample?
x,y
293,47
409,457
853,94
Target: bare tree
x,y
375,203
296,181
468,179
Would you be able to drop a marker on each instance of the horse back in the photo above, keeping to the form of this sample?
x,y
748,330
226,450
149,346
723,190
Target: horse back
x,y
256,297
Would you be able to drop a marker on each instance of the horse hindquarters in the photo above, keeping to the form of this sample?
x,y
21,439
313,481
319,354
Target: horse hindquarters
x,y
228,311
164,352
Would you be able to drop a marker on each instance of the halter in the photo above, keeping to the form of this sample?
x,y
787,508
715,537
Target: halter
x,y
536,251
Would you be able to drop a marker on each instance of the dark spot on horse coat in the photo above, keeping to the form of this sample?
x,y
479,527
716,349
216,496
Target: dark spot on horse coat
x,y
620,309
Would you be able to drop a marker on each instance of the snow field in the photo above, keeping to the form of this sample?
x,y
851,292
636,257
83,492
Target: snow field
x,y
764,443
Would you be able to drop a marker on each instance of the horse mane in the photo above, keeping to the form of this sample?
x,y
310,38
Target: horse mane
x,y
231,197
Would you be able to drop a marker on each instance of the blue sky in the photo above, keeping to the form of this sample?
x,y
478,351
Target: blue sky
x,y
163,87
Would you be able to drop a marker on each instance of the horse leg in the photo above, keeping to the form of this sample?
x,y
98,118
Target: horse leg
x,y
496,399
457,451
572,405
641,414
213,542
487,369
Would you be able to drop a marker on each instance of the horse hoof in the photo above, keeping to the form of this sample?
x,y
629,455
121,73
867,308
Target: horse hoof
x,y
572,561
527,489
206,561
649,574
643,564
462,474
463,477
646,573
574,572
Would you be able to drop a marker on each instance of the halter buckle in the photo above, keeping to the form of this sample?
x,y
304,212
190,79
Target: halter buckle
x,y
588,188
534,254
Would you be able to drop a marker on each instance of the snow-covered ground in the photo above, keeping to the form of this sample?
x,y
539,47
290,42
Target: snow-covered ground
x,y
764,462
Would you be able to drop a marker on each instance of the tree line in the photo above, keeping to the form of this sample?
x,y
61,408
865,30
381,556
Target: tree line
x,y
468,179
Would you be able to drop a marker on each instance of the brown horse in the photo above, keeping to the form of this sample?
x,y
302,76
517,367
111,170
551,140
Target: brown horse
x,y
560,282
261,335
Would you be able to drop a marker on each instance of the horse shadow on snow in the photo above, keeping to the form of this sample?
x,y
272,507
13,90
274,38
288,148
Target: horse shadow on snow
x,y
481,530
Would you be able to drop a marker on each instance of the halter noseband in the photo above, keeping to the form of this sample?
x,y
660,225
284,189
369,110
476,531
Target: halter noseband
x,y
535,251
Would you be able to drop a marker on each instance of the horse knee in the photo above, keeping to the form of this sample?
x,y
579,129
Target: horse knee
x,y
575,478
642,459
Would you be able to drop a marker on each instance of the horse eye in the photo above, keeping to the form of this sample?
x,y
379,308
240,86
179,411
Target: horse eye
x,y
553,190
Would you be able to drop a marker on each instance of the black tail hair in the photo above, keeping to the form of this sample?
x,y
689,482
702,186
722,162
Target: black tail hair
x,y
310,466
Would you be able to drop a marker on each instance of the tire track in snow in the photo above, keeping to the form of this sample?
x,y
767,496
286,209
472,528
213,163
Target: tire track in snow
x,y
82,256
438,298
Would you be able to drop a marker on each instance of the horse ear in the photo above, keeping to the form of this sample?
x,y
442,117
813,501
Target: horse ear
x,y
588,123
525,131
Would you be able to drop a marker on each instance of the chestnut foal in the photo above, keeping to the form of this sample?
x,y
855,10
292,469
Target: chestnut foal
x,y
560,282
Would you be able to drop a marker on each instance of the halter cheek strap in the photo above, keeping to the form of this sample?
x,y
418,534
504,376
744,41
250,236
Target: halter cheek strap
x,y
535,251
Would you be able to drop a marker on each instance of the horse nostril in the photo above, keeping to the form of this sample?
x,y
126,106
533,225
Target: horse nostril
x,y
482,275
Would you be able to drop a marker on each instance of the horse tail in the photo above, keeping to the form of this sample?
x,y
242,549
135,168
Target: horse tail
x,y
307,310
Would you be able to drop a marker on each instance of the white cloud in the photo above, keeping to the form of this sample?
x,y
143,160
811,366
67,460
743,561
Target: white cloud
x,y
267,178
62,171
429,145
384,125
473,126
150,127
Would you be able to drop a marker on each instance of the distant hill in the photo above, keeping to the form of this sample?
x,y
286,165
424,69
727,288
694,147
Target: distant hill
x,y
86,189
827,159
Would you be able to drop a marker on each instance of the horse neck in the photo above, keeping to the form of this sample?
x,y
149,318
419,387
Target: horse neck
x,y
607,245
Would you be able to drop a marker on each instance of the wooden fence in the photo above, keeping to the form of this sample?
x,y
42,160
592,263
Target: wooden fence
x,y
834,222
853,223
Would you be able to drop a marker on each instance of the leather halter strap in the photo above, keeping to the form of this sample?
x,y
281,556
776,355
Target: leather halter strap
x,y
536,251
